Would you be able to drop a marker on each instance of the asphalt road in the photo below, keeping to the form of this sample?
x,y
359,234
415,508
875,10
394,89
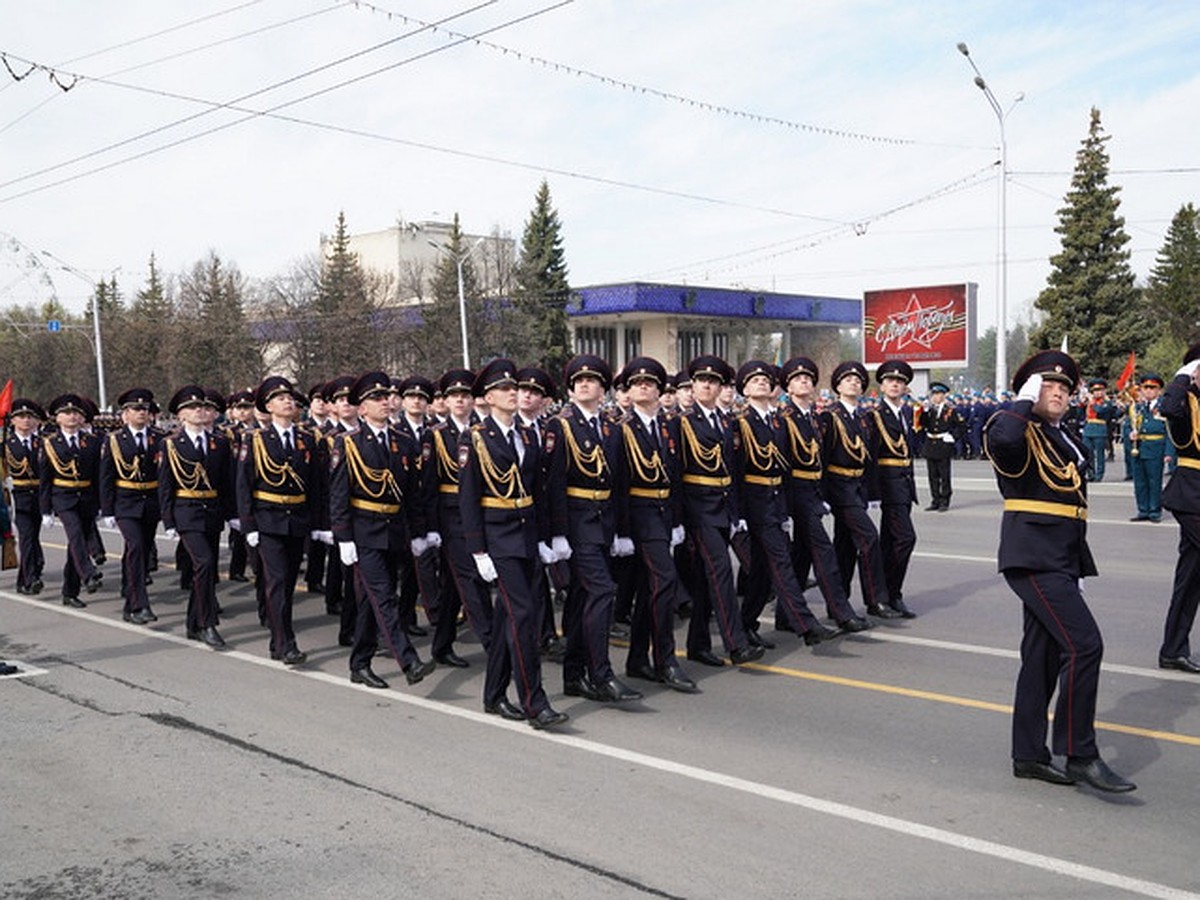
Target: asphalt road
x,y
138,764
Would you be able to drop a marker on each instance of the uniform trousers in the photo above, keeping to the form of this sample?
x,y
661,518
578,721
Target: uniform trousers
x,y
466,591
237,554
31,560
279,557
812,548
897,540
712,551
939,481
138,535
316,556
78,567
514,652
855,539
1061,645
1098,447
202,598
378,620
1185,593
588,614
772,557
1147,484
652,621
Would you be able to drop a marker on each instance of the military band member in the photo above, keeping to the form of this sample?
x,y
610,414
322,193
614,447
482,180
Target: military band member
x,y
375,514
846,455
585,468
892,478
711,514
279,505
129,497
70,491
1100,414
499,469
760,469
1181,408
941,425
655,525
196,495
1043,556
811,546
1148,449
21,453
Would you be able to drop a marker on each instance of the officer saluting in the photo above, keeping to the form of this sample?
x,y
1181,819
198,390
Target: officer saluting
x,y
21,453
1043,555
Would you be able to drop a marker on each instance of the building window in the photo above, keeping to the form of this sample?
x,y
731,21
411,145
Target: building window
x,y
633,342
688,345
599,342
721,344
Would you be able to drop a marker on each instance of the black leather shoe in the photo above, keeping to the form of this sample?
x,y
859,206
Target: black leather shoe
x,y
318,588
739,656
554,649
345,641
505,709
756,640
1138,518
819,633
883,612
22,589
900,607
36,587
241,578
212,638
452,659
418,670
1179,663
195,636
573,687
706,658
642,671
548,718
781,625
367,678
149,615
99,559
74,602
415,630
615,691
1042,771
142,617
675,678
93,582
294,657
6,669
854,626
1097,773
932,507
619,630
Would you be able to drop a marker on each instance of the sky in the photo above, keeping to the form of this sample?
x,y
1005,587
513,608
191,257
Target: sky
x,y
820,148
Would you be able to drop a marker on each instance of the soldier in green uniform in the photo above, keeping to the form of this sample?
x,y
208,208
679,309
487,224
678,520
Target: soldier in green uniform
x,y
1148,446
1100,411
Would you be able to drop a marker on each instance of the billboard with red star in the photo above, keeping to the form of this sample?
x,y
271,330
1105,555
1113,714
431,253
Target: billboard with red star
x,y
929,327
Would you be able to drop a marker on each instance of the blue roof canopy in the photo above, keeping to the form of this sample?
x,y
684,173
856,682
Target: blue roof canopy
x,y
692,300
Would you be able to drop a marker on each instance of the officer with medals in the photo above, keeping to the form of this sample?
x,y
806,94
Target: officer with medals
x,y
891,477
196,496
22,449
811,546
1044,556
845,455
129,460
69,490
1148,448
499,473
585,481
279,505
1181,408
375,512
655,525
760,469
711,513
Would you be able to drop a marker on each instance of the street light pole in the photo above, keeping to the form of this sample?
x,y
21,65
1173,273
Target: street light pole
x,y
99,345
1002,258
459,259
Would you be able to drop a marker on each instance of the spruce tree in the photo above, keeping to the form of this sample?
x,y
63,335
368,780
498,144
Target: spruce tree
x,y
442,332
1174,288
348,339
542,290
1090,296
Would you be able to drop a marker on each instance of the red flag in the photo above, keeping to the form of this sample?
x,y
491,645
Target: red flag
x,y
1127,372
6,400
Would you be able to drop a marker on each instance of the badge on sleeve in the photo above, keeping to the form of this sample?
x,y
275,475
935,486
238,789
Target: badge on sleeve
x,y
464,455
549,440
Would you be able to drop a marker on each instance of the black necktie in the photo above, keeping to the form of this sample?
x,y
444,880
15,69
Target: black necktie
x,y
652,430
594,424
287,442
200,446
141,442
74,444
716,422
383,444
512,443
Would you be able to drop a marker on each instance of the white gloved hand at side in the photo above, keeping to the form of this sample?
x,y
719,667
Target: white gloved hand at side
x,y
485,566
348,552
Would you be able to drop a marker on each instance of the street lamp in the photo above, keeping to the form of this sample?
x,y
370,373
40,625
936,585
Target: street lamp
x,y
1002,259
459,259
66,267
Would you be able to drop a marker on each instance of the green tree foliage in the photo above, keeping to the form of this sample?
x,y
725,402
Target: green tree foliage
x,y
140,348
348,340
540,336
1173,292
1090,296
216,348
441,336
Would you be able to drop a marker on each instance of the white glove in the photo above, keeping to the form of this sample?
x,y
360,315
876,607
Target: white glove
x,y
739,526
487,568
1031,389
109,521
827,509
948,438
171,533
1189,369
235,524
252,539
546,554
788,527
324,537
561,548
677,536
419,546
348,552
433,539
622,546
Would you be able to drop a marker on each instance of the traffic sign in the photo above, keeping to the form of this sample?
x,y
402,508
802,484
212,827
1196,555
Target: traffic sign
x,y
54,326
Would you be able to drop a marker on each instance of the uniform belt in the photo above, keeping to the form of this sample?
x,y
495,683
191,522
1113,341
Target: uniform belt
x,y
1188,463
1047,508
1095,421
505,502
137,485
184,494
447,488
26,483
386,509
764,480
284,499
707,481
895,463
807,474
77,485
1141,437
650,493
589,493
843,471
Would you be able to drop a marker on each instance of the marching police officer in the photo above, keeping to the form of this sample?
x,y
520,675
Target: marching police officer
x,y
892,481
21,453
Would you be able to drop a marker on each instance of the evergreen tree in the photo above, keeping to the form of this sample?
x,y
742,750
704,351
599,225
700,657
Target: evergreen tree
x,y
144,351
542,337
1090,297
344,313
216,349
1173,292
442,333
